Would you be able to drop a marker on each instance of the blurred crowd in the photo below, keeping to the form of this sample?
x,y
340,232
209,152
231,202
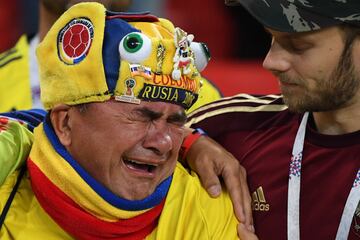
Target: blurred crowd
x,y
229,32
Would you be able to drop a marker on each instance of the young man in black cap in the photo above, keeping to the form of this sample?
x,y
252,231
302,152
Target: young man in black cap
x,y
300,149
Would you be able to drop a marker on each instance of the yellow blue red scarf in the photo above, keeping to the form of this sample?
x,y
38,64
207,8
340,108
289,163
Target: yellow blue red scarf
x,y
81,205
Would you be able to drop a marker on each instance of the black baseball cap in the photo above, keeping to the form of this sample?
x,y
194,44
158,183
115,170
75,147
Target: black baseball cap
x,y
301,15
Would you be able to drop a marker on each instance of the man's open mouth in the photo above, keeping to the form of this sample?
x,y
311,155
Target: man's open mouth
x,y
139,166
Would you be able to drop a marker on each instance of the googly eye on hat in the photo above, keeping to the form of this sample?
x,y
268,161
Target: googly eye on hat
x,y
135,47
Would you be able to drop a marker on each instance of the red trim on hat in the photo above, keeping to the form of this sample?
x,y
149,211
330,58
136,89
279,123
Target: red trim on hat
x,y
135,17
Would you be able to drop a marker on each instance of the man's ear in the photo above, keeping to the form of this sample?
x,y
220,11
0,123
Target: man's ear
x,y
59,117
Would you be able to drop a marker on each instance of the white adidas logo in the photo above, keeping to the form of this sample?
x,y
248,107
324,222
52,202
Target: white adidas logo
x,y
259,201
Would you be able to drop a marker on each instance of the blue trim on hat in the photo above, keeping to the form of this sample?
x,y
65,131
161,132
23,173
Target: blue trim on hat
x,y
151,201
115,30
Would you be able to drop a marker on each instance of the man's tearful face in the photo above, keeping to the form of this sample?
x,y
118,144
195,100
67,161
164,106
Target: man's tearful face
x,y
128,148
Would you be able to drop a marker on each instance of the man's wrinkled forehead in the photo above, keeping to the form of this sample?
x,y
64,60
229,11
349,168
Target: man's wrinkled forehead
x,y
153,109
154,113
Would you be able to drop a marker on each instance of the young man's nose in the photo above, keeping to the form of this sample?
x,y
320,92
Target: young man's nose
x,y
277,59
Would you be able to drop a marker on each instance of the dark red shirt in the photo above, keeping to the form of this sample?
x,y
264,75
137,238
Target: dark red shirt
x,y
260,133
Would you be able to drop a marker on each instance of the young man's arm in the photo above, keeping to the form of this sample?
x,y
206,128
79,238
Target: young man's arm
x,y
212,162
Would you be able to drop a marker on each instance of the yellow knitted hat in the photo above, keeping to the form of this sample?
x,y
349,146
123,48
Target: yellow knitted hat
x,y
91,55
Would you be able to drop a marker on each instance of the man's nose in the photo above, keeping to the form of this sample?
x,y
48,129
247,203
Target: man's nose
x,y
277,59
158,138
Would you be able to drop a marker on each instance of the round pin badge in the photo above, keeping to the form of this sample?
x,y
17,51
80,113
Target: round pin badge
x,y
74,40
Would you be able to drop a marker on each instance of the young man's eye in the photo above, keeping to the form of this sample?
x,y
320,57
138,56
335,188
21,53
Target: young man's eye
x,y
300,47
297,49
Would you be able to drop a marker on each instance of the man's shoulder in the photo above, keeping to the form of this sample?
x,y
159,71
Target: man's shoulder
x,y
242,112
186,182
241,103
25,213
187,201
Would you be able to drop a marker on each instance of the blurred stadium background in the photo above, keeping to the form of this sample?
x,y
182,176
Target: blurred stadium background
x,y
236,41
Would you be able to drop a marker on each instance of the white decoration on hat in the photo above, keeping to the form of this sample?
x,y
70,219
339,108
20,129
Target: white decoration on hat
x,y
183,55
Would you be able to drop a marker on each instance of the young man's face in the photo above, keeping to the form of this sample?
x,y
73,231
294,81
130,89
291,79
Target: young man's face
x,y
128,148
315,71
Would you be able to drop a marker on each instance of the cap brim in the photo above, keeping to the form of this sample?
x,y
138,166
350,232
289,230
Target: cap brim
x,y
279,16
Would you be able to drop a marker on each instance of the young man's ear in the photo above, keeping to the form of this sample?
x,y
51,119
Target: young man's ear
x,y
59,117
